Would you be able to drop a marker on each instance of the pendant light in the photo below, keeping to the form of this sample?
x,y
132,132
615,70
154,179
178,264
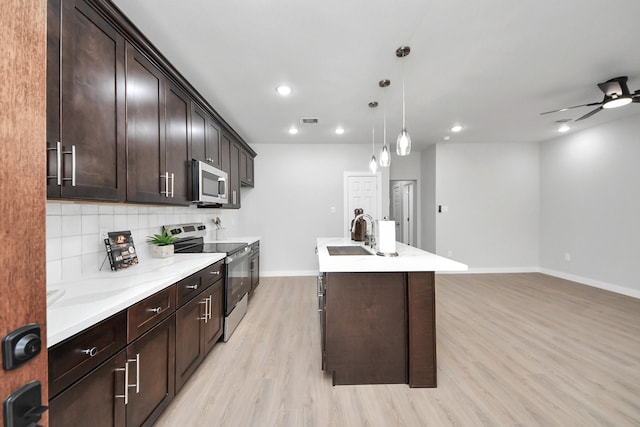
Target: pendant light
x,y
373,163
385,155
403,144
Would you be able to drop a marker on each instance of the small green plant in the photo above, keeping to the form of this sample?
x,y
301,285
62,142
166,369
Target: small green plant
x,y
162,239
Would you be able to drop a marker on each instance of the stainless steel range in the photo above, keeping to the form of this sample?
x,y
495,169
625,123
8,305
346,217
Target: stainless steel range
x,y
237,281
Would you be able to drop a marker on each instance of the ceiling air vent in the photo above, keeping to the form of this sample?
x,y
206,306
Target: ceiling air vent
x,y
309,120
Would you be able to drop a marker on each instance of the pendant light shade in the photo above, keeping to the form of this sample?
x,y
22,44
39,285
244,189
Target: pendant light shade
x,y
373,163
403,144
385,155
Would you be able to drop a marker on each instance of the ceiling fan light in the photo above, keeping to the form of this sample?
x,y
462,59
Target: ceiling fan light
x,y
403,144
617,102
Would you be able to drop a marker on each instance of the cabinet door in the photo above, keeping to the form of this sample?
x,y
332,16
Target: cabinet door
x,y
189,329
234,174
246,168
155,355
91,110
146,175
93,400
198,133
254,271
177,145
213,142
213,327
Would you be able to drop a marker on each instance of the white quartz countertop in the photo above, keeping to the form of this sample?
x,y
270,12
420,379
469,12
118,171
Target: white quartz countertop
x,y
94,298
408,259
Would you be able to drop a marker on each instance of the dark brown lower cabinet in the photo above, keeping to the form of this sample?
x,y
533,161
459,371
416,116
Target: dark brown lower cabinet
x,y
145,368
379,328
152,361
92,401
198,328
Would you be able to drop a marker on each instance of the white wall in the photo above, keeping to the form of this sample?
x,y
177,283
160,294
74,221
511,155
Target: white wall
x,y
296,187
590,206
492,195
428,198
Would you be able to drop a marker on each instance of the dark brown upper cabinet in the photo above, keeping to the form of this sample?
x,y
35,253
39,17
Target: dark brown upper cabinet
x,y
158,123
230,163
85,104
246,168
205,137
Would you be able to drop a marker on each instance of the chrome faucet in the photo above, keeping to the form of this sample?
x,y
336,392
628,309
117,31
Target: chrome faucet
x,y
372,236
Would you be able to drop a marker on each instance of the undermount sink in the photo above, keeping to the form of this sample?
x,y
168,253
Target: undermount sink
x,y
347,250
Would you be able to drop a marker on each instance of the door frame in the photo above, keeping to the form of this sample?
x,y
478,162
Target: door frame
x,y
347,215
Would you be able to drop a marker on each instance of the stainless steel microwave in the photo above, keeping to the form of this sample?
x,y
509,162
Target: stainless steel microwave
x,y
209,184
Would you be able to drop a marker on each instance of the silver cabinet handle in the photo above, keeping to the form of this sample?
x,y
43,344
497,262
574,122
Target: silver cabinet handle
x,y
173,181
205,315
126,383
90,351
137,384
73,165
194,286
166,184
215,273
155,310
210,298
58,175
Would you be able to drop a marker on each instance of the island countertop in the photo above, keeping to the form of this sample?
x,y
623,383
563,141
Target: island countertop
x,y
409,259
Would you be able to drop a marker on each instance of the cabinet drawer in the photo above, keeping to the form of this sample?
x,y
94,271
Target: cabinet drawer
x,y
150,311
188,288
213,273
71,359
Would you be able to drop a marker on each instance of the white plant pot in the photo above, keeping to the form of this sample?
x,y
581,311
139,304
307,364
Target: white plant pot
x,y
165,251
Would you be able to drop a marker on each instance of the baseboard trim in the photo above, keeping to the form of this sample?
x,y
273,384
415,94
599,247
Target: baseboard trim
x,y
289,273
593,283
489,270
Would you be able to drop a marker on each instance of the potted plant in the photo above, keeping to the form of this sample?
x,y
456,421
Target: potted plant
x,y
162,244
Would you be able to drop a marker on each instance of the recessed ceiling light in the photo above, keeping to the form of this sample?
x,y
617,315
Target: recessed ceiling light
x,y
293,130
283,90
446,138
339,130
564,128
456,128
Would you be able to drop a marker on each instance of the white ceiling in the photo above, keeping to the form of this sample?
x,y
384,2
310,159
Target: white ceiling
x,y
491,65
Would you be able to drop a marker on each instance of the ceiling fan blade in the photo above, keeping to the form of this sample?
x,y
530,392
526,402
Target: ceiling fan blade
x,y
569,108
589,114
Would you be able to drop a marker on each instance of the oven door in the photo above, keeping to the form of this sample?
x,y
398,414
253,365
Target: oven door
x,y
238,281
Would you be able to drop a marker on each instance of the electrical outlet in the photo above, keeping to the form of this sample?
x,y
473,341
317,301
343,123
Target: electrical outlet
x,y
567,256
333,209
103,234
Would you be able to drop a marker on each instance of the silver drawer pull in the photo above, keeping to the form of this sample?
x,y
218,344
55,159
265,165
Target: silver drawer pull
x,y
155,310
215,273
90,351
195,286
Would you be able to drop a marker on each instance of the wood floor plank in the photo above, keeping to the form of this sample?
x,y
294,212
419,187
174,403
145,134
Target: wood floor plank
x,y
513,350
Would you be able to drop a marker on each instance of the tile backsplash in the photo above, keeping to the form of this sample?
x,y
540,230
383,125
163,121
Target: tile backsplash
x,y
74,232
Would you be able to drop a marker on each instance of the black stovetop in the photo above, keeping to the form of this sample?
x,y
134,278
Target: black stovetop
x,y
197,245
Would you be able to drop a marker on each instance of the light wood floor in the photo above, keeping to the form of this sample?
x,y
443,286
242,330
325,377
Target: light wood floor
x,y
513,350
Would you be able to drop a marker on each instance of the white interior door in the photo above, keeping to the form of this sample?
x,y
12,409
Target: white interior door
x,y
396,209
362,190
407,212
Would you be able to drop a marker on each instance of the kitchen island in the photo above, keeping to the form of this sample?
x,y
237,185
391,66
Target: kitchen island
x,y
377,314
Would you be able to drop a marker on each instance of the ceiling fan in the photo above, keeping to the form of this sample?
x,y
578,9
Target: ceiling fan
x,y
616,94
